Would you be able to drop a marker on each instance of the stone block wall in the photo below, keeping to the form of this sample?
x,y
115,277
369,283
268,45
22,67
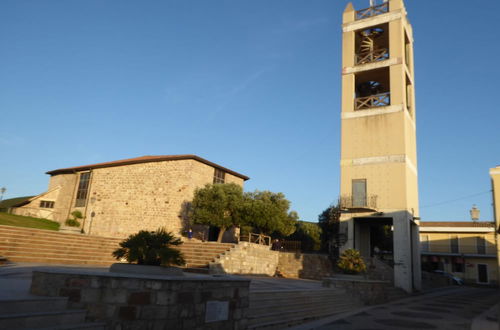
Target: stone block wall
x,y
247,258
250,258
150,302
125,199
304,265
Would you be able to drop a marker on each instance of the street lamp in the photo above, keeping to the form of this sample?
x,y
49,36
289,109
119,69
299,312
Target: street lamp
x,y
474,213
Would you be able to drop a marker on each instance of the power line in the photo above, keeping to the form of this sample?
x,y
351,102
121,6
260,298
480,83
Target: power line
x,y
457,199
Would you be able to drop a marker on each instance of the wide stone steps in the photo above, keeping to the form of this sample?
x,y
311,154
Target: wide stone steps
x,y
281,309
19,244
43,313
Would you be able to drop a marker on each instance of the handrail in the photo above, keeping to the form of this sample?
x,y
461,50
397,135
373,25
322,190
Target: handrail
x,y
372,11
256,238
372,101
368,57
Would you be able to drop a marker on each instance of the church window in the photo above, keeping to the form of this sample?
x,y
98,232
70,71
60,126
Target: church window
x,y
219,176
83,186
47,204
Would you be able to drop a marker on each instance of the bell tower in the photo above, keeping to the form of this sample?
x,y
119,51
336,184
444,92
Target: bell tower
x,y
379,187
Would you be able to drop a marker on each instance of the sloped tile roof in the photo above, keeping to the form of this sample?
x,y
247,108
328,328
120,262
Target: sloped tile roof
x,y
143,159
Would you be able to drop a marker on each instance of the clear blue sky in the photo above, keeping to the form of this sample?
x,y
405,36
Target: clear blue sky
x,y
252,85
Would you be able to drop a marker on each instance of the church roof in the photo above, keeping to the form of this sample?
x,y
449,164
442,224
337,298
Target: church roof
x,y
143,159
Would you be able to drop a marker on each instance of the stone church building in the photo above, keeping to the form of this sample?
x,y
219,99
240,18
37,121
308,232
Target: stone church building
x,y
121,197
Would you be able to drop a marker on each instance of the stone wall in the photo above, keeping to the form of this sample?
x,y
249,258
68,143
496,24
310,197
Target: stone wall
x,y
370,292
250,258
150,302
125,199
247,258
304,265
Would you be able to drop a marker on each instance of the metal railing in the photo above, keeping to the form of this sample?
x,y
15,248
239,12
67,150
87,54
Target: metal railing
x,y
368,57
256,238
429,248
349,202
291,246
372,11
372,101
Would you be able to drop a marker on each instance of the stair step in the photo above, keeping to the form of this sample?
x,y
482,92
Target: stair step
x,y
41,304
285,319
41,319
78,326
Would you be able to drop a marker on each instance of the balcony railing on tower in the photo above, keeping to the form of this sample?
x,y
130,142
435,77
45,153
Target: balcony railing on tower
x,y
368,57
372,101
369,202
372,11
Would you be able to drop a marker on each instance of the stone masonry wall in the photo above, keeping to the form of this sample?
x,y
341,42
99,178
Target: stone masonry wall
x,y
125,199
150,302
60,191
302,265
250,258
247,258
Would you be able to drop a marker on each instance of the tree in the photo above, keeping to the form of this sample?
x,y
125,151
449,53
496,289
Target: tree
x,y
329,222
151,248
268,213
218,205
309,234
2,191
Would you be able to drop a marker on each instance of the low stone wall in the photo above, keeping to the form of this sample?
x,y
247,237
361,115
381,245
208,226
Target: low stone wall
x,y
303,265
127,301
247,258
250,258
370,292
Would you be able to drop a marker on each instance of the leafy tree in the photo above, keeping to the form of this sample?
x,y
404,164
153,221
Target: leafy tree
x,y
351,262
151,248
268,213
329,222
309,234
218,205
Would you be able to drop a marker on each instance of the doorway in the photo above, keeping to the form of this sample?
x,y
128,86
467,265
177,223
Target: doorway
x,y
482,274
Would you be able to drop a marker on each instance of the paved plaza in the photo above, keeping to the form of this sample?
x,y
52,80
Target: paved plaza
x,y
452,308
449,308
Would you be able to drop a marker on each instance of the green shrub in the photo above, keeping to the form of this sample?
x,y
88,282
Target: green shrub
x,y
72,223
351,262
151,248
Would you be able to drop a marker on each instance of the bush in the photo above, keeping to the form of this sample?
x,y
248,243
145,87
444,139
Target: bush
x,y
151,248
73,222
351,262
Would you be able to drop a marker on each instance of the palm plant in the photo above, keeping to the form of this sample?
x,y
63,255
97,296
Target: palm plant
x,y
151,248
351,262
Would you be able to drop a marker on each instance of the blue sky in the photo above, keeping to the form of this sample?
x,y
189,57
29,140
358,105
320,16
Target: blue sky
x,y
251,85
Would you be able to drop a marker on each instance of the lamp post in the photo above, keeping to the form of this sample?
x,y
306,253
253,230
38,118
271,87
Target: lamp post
x,y
474,213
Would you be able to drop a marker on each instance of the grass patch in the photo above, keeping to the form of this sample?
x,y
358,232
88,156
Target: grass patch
x,y
29,222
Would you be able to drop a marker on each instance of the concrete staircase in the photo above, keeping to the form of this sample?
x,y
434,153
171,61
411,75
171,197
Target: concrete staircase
x,y
279,309
19,244
43,313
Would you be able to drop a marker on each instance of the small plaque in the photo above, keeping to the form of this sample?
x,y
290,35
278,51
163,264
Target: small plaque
x,y
216,311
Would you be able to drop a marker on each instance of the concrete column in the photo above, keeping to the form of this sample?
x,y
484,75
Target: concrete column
x,y
417,268
403,277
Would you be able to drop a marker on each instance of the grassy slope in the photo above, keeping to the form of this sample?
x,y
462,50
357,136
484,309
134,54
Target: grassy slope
x,y
21,221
